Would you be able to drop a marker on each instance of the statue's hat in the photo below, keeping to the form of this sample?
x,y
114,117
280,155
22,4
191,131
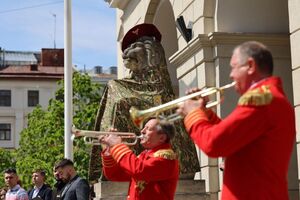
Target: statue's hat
x,y
139,31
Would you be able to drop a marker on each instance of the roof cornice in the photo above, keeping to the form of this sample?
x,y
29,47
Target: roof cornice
x,y
219,38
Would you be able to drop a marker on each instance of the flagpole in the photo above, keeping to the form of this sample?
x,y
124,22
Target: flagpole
x,y
68,150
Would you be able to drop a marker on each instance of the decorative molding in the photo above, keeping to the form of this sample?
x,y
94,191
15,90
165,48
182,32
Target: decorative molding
x,y
189,50
216,38
121,4
236,38
151,10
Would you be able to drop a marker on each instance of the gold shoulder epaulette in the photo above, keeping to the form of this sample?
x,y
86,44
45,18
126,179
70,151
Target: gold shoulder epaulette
x,y
168,154
256,97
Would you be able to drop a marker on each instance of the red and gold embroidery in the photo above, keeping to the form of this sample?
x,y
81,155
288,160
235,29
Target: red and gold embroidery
x,y
140,185
257,97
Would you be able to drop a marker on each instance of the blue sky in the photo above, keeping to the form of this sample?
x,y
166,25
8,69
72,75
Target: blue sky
x,y
28,25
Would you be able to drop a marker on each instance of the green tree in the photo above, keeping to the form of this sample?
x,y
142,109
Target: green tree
x,y
42,142
6,161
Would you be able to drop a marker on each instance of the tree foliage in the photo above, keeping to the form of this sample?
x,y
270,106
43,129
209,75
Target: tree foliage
x,y
42,142
6,161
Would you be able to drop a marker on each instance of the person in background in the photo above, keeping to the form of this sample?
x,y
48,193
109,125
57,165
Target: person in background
x,y
154,173
40,190
15,191
76,188
257,138
59,185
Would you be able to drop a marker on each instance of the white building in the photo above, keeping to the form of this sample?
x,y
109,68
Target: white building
x,y
101,76
26,80
217,27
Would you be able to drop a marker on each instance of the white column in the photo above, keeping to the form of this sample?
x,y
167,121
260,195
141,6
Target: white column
x,y
68,78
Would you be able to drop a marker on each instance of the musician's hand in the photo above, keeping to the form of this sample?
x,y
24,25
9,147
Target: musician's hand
x,y
110,140
104,147
189,105
193,90
113,130
103,138
197,102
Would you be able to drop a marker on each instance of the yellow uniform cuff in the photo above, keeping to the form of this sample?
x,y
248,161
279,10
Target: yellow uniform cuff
x,y
194,117
119,150
108,161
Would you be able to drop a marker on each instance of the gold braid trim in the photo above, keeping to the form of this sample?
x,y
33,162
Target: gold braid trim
x,y
140,186
257,97
108,161
168,154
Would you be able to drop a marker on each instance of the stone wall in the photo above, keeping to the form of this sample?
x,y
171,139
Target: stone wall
x,y
217,27
294,19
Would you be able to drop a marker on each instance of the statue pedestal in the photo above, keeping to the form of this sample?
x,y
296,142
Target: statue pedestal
x,y
191,190
111,190
186,189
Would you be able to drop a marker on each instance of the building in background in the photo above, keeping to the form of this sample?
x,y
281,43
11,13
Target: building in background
x,y
27,79
101,75
198,37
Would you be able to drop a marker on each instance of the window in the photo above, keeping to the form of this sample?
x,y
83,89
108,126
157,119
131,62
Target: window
x,y
5,98
33,98
5,132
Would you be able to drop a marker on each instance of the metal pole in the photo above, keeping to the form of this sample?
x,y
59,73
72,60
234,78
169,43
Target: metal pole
x,y
54,15
68,78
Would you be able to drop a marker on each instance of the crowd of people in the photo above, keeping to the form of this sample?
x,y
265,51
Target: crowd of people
x,y
68,186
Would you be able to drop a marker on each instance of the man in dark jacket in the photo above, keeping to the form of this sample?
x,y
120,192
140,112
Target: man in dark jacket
x,y
76,188
59,185
40,190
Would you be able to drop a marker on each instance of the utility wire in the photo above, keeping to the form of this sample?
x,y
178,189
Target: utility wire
x,y
29,7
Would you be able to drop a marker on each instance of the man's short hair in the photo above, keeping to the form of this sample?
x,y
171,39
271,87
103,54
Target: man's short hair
x,y
167,128
260,53
63,163
40,171
10,171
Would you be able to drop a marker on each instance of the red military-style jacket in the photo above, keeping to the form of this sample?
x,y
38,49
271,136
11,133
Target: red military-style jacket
x,y
152,175
256,139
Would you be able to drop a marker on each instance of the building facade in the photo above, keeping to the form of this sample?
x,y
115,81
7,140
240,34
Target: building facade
x,y
198,37
27,79
101,76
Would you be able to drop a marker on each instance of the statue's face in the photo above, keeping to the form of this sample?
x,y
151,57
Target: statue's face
x,y
134,57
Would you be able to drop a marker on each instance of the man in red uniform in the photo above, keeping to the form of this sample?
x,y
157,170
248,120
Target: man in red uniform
x,y
257,137
154,173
